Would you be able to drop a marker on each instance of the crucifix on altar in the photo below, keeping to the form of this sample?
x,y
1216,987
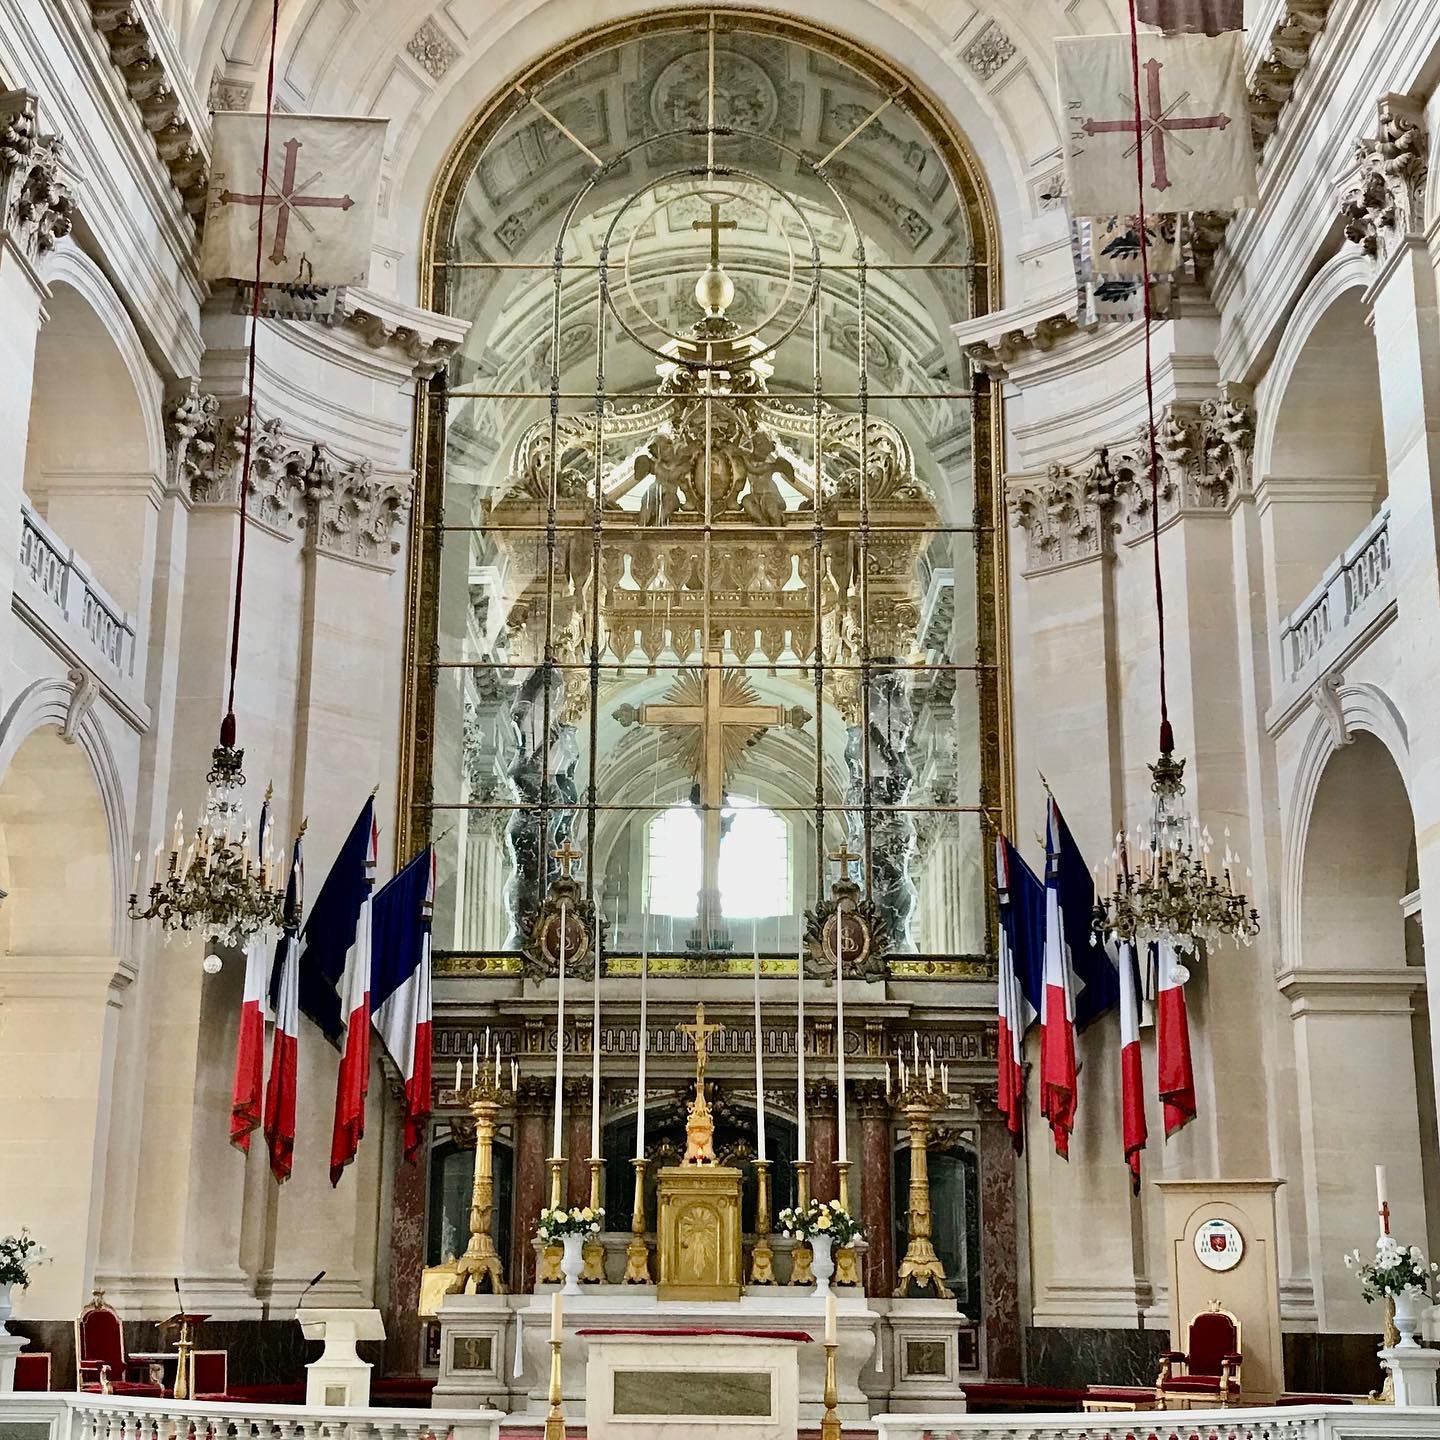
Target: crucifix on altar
x,y
717,715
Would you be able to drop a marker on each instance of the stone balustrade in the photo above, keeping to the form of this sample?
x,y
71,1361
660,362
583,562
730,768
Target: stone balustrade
x,y
117,1417
66,596
1354,591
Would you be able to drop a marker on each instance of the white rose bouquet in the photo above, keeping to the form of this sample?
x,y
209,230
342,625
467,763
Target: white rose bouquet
x,y
558,1223
19,1255
1395,1269
821,1217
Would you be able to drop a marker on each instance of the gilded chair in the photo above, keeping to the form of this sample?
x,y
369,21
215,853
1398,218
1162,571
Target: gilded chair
x,y
1207,1371
101,1361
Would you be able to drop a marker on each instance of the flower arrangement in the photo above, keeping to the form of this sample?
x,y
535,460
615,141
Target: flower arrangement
x,y
19,1255
1395,1269
558,1223
820,1217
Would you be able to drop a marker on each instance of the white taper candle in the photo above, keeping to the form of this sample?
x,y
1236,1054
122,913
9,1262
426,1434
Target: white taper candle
x,y
555,1151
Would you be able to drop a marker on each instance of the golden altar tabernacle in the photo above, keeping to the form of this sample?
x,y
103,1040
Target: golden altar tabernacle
x,y
699,1222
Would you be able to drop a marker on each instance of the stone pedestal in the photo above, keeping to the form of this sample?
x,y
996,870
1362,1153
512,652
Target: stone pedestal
x,y
1413,1368
10,1347
477,1347
925,1358
715,1385
339,1377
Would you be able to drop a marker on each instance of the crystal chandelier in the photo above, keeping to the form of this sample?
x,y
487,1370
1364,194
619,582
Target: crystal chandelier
x,y
222,884
1173,893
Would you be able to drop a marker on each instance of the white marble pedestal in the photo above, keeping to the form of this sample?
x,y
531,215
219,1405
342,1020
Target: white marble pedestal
x,y
702,1386
1414,1368
10,1347
924,1361
477,1347
339,1377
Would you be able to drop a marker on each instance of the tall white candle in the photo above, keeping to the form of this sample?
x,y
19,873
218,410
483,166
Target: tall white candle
x,y
759,1052
800,1048
595,1054
644,1028
556,1152
1381,1198
840,1038
557,1317
457,1076
830,1318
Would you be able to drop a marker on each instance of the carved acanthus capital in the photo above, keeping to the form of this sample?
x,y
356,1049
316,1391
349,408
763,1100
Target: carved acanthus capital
x,y
351,512
36,207
1384,196
1067,515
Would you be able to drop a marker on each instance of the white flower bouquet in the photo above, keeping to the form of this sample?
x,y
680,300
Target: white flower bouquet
x,y
578,1220
1395,1269
19,1255
821,1217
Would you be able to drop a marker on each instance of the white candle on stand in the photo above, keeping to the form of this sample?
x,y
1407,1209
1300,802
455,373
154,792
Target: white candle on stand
x,y
644,1026
830,1318
474,1064
840,1036
595,1053
800,1048
759,1051
457,1077
1381,1198
557,1317
556,1152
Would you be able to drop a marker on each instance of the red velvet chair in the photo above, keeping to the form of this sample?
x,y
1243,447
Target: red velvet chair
x,y
32,1370
101,1360
1207,1371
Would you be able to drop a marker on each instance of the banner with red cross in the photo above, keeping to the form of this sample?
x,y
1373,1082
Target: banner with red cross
x,y
1193,123
320,196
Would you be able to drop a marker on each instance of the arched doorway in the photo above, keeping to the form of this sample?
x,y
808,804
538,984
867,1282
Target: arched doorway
x,y
1361,1034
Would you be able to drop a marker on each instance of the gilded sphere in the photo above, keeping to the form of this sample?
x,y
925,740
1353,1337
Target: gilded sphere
x,y
714,291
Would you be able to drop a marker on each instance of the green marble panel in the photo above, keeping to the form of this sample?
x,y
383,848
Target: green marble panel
x,y
693,1392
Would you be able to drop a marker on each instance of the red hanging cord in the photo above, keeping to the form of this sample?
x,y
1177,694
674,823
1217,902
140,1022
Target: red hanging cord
x,y
1167,736
227,726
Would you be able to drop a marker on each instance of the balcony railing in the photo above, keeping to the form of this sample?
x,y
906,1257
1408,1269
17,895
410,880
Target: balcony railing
x,y
1355,588
64,587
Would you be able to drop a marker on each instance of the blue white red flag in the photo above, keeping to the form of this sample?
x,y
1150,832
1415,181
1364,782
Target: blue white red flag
x,y
1022,933
1059,1072
1132,1084
281,1088
352,1082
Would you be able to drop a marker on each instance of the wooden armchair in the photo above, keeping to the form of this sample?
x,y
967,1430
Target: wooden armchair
x,y
101,1361
1207,1371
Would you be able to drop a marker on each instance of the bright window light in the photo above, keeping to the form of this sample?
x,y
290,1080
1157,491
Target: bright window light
x,y
754,862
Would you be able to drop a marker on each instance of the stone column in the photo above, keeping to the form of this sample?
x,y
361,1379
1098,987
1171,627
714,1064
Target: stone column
x,y
822,1131
999,1246
577,1141
877,1168
532,1138
408,1205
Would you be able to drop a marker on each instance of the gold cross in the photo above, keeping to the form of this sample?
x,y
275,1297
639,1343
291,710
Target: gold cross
x,y
845,857
700,1034
714,225
567,855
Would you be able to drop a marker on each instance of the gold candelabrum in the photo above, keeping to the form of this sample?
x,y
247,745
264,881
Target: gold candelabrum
x,y
802,1257
593,1251
762,1257
480,1264
847,1263
637,1253
548,1271
830,1422
555,1420
920,1092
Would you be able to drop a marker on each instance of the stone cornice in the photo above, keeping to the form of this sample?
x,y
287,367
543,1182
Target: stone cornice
x,y
1351,991
150,78
343,506
996,344
1071,513
425,338
36,207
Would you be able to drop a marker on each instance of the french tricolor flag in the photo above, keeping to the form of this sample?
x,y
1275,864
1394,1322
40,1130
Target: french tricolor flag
x,y
352,1083
1058,1070
400,986
280,1090
1132,1084
248,1094
1172,1043
1018,891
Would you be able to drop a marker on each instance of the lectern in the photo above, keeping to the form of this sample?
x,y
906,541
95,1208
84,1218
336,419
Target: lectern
x,y
339,1377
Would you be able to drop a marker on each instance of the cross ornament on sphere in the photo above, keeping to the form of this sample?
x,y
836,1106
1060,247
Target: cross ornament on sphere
x,y
286,197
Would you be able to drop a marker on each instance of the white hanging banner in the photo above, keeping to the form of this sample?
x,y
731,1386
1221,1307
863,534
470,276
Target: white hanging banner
x,y
320,199
1194,123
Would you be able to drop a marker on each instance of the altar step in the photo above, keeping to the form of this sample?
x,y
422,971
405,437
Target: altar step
x,y
577,1432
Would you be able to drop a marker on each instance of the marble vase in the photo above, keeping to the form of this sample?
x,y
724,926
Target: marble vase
x,y
1409,1310
572,1263
822,1265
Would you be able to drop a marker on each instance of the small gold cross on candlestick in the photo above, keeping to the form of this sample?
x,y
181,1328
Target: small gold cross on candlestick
x,y
568,856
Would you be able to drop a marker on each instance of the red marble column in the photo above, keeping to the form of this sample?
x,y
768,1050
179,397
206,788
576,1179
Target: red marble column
x,y
999,1247
877,1187
531,1184
577,1142
407,1260
823,1128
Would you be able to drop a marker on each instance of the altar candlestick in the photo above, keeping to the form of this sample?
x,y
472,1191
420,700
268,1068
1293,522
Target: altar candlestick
x,y
555,1150
888,1086
644,1026
474,1064
840,1039
595,1052
830,1318
557,1317
759,1052
497,1067
457,1076
800,1049
514,1077
487,1042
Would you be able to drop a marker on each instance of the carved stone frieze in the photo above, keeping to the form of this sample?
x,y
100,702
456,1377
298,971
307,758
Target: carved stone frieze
x,y
1383,197
988,51
1204,453
142,69
36,208
340,503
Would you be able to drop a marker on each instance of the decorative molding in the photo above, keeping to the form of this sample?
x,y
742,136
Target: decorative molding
x,y
987,53
1291,41
1383,197
998,356
83,695
136,56
433,49
426,339
344,508
36,207
1325,695
1204,451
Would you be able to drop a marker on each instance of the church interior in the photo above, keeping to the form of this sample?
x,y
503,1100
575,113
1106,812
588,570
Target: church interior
x,y
709,718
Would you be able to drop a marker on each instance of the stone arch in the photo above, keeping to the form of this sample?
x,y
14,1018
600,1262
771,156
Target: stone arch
x,y
93,482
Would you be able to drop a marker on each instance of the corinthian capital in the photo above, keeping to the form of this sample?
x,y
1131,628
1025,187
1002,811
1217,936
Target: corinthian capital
x,y
1384,196
353,513
36,208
